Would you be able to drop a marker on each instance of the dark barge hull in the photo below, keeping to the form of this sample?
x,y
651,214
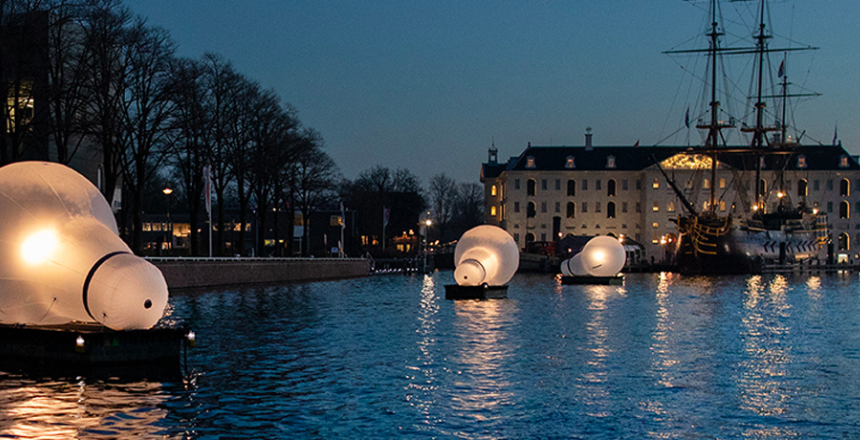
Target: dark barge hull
x,y
455,292
54,351
610,281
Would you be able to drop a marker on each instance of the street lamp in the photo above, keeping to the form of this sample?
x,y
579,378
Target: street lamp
x,y
167,192
426,222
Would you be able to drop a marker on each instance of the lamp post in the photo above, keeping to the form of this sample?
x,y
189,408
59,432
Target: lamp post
x,y
167,192
425,223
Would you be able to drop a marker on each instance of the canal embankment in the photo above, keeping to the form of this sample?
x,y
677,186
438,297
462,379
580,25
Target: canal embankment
x,y
185,273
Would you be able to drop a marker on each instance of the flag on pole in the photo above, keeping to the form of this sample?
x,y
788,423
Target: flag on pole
x,y
207,187
687,118
781,71
386,213
834,134
342,217
636,145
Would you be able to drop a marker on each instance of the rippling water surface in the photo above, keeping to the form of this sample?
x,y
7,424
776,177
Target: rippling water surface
x,y
663,356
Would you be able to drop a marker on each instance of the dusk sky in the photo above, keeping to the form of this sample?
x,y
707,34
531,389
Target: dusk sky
x,y
428,85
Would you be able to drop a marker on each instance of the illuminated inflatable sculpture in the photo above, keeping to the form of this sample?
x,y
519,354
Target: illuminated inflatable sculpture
x,y
602,257
62,258
486,258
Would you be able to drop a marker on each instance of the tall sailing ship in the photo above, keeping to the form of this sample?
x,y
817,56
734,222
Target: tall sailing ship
x,y
748,238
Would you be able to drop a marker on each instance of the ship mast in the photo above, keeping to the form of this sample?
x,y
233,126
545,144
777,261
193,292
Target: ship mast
x,y
713,131
758,136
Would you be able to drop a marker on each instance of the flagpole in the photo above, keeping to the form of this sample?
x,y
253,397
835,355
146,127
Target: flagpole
x,y
207,189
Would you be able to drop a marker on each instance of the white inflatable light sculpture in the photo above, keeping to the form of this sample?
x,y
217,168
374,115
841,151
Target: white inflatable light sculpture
x,y
573,266
62,258
485,255
602,256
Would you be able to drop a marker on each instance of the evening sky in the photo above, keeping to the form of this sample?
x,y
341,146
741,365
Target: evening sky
x,y
428,85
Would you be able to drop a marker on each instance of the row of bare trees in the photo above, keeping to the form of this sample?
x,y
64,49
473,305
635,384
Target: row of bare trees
x,y
88,76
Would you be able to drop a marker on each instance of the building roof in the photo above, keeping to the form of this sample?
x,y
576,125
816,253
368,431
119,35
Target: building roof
x,y
628,158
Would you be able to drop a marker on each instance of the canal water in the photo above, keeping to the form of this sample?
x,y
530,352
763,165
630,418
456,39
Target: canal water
x,y
663,356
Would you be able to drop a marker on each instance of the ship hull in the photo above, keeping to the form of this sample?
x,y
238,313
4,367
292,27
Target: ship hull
x,y
740,249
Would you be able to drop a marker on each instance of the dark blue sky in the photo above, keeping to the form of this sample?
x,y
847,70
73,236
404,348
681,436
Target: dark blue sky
x,y
427,85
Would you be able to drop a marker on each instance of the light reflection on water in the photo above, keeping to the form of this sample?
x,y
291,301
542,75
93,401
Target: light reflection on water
x,y
663,356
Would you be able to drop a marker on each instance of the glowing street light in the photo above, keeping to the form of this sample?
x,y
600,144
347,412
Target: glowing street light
x,y
167,192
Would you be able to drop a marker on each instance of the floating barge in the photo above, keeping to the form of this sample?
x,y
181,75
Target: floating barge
x,y
456,291
91,350
611,281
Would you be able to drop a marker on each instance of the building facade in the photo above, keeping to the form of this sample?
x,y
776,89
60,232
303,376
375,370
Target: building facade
x,y
546,193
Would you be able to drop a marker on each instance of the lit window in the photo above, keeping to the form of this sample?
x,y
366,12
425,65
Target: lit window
x,y
570,163
656,183
655,225
19,104
656,206
493,190
801,161
722,183
706,183
843,162
610,162
492,211
670,207
722,205
530,162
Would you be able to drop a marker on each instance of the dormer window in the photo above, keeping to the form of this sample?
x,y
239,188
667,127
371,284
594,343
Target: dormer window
x,y
530,162
569,163
843,161
801,161
610,161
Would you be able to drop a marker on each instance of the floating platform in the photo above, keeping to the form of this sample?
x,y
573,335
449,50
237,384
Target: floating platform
x,y
91,350
612,281
456,291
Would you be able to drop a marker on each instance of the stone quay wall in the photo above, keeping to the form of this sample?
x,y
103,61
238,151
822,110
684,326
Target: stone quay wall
x,y
183,273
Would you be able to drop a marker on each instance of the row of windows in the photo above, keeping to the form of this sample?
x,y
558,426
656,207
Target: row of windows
x,y
570,162
611,208
611,186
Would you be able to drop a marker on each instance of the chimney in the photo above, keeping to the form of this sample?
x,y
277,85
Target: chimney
x,y
588,146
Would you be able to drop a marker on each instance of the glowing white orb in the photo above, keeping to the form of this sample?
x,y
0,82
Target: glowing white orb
x,y
603,256
39,247
485,255
63,260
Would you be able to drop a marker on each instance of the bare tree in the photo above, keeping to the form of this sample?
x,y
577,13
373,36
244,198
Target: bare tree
x,y
105,36
443,192
272,148
469,211
149,52
224,105
191,150
316,179
67,76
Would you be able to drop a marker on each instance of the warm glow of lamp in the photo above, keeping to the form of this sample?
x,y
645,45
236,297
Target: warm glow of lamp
x,y
755,207
602,256
76,270
780,194
40,246
167,191
815,210
428,222
485,255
